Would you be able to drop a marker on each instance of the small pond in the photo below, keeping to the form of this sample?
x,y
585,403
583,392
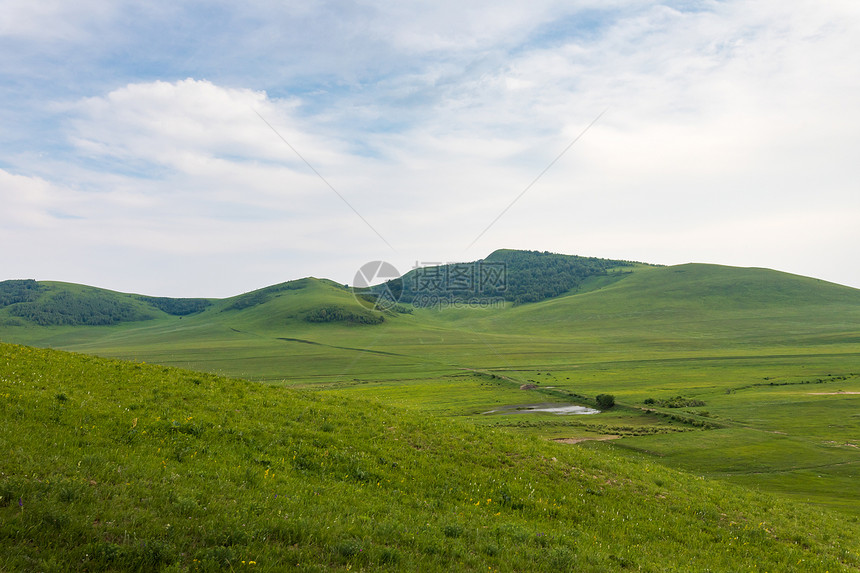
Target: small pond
x,y
547,408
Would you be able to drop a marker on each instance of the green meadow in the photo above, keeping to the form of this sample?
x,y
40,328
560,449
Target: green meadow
x,y
742,385
122,466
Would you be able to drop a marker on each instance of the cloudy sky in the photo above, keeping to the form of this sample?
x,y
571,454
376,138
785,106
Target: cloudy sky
x,y
186,148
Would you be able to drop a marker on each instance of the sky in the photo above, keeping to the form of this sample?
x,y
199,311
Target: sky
x,y
205,149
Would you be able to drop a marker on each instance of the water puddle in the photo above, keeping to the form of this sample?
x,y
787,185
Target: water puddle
x,y
547,408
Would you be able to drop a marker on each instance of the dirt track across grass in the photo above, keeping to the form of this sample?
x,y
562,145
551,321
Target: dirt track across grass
x,y
833,393
578,440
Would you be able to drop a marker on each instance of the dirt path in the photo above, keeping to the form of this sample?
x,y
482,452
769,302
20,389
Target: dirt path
x,y
833,393
578,440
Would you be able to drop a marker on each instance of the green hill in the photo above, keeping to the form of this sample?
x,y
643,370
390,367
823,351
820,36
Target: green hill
x,y
113,466
738,349
309,300
51,304
633,311
695,301
25,302
506,274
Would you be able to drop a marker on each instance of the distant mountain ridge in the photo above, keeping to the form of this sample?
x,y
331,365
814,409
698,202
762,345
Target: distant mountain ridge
x,y
519,277
509,276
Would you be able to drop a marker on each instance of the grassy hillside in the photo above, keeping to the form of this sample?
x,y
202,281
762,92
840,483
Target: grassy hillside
x,y
27,302
774,358
697,304
126,466
308,300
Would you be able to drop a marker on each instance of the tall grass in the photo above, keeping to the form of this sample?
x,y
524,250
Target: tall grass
x,y
113,466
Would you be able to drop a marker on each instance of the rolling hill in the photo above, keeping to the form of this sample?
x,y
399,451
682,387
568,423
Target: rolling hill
x,y
696,301
573,297
32,303
281,332
746,343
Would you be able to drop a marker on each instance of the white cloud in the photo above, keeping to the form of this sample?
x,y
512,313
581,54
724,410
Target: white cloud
x,y
26,202
182,170
192,141
728,128
164,122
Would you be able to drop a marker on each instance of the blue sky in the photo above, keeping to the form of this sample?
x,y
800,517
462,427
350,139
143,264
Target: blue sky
x,y
132,156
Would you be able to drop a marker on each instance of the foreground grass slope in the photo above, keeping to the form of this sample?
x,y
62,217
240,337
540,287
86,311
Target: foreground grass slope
x,y
114,465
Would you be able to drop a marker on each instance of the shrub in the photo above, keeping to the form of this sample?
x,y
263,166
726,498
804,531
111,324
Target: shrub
x,y
340,314
177,306
605,401
680,402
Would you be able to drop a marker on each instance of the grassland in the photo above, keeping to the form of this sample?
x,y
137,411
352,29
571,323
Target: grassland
x,y
114,465
756,346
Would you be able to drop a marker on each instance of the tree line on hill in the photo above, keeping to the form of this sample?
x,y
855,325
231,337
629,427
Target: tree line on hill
x,y
79,309
17,291
513,276
334,313
50,305
177,306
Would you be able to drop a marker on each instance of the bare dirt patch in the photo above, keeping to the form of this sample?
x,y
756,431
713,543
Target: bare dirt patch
x,y
578,440
833,393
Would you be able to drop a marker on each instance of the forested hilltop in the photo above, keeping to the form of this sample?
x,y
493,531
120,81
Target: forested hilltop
x,y
62,304
510,275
